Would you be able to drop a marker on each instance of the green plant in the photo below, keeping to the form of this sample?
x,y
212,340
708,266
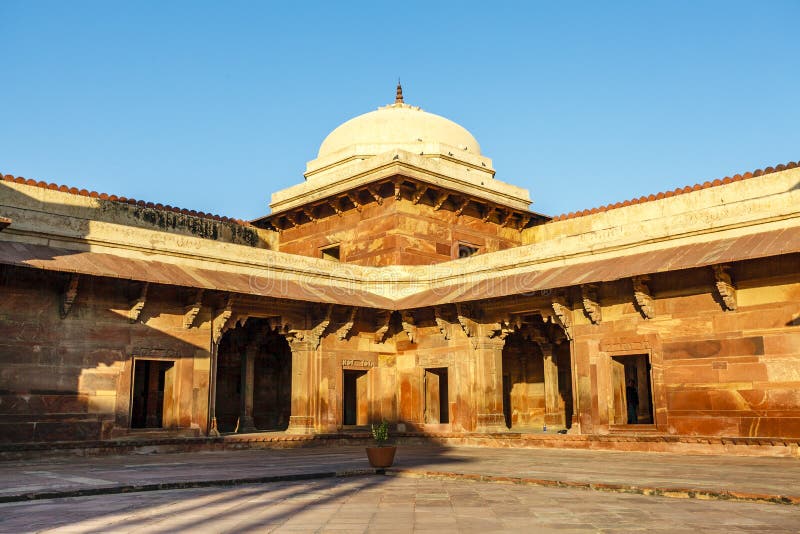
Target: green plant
x,y
380,433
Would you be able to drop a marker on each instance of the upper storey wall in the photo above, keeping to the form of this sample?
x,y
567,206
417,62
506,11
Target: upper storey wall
x,y
759,199
83,216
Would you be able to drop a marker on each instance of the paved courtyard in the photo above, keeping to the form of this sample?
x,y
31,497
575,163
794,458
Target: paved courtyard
x,y
456,489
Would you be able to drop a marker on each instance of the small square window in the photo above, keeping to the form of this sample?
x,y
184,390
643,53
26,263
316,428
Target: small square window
x,y
331,253
465,251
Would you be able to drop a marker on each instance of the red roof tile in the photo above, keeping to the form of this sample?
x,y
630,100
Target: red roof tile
x,y
679,191
115,198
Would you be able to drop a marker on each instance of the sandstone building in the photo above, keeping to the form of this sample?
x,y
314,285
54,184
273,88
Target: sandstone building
x,y
402,281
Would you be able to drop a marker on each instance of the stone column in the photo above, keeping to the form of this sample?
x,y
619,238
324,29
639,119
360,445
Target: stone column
x,y
301,420
246,423
153,397
489,370
213,431
552,413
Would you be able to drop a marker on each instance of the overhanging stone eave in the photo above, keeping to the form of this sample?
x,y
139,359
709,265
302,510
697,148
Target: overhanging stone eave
x,y
385,170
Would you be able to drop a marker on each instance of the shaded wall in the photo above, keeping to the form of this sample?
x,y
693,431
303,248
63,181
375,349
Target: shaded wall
x,y
71,378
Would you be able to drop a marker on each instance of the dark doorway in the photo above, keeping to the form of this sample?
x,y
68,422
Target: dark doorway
x,y
632,399
354,398
260,392
153,394
436,396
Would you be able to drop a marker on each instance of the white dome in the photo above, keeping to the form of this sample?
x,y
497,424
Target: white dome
x,y
398,125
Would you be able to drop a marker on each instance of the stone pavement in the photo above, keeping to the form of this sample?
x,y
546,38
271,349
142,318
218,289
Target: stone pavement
x,y
742,478
391,505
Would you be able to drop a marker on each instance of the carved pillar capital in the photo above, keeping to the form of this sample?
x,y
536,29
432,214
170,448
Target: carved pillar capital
x,y
591,303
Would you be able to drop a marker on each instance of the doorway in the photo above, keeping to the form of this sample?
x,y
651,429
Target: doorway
x,y
152,405
354,398
436,396
631,391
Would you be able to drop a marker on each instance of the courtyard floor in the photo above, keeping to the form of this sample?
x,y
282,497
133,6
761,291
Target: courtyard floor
x,y
453,489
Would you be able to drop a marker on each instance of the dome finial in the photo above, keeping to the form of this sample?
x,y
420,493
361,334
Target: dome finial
x,y
398,99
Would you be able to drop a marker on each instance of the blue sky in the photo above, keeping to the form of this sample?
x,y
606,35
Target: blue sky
x,y
215,105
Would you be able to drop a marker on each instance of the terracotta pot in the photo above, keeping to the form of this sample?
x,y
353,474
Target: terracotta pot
x,y
381,456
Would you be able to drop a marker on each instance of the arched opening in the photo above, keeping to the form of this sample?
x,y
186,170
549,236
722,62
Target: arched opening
x,y
254,379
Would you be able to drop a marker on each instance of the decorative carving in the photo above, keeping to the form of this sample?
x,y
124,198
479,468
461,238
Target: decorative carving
x,y
725,287
462,313
384,318
523,222
314,336
69,295
441,323
223,321
591,303
334,205
419,193
440,200
378,198
397,190
562,316
461,206
191,311
292,218
409,327
353,197
344,331
506,219
138,305
500,330
487,213
309,212
642,296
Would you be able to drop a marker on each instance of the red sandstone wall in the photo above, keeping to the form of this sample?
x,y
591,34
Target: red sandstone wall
x,y
715,372
396,233
70,379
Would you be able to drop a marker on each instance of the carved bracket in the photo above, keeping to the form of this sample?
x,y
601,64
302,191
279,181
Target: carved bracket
x,y
409,327
223,322
345,329
725,287
444,326
69,295
464,315
138,305
643,297
353,197
374,192
440,200
591,303
384,318
314,335
191,311
461,206
419,193
562,316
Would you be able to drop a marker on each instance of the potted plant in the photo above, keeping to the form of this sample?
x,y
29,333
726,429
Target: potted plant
x,y
382,455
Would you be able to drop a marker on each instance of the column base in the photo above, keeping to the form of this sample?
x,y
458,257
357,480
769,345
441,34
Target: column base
x,y
300,424
491,423
213,432
245,425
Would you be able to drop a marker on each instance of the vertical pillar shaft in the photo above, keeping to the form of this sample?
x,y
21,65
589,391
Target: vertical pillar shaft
x,y
301,420
246,423
489,359
552,410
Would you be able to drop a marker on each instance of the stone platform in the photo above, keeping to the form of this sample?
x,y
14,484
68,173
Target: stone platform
x,y
159,442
